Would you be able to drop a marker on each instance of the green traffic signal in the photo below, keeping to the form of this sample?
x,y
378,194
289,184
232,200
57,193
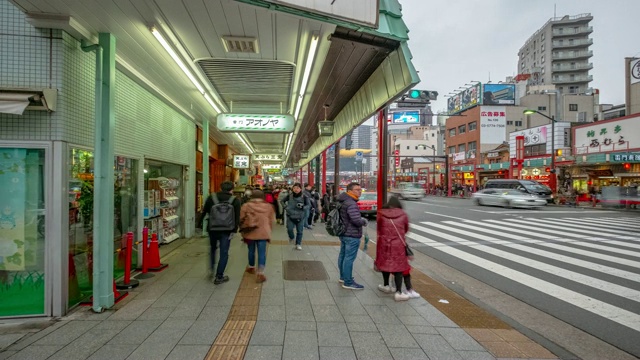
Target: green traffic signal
x,y
414,94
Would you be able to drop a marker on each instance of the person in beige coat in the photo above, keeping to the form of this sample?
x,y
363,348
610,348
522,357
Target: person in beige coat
x,y
256,222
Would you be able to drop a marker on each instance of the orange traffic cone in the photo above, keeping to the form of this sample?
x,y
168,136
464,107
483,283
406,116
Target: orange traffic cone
x,y
154,255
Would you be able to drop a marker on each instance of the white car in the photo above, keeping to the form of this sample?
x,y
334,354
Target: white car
x,y
508,198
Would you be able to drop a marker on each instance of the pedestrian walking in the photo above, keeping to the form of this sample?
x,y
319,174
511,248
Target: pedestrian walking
x,y
256,224
391,254
281,207
350,240
223,210
296,204
311,209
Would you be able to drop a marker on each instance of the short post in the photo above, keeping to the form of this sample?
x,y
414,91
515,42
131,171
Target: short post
x,y
127,282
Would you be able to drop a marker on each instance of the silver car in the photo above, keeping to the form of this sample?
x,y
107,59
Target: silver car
x,y
507,198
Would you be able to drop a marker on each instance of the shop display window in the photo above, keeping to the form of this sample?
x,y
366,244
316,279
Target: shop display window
x,y
22,231
163,201
81,181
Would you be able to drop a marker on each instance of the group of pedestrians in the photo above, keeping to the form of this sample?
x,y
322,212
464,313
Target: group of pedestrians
x,y
254,213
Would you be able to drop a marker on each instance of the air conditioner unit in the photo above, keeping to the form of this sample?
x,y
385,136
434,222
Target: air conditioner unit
x,y
16,101
581,116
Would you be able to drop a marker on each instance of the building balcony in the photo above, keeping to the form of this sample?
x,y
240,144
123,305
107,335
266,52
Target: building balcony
x,y
565,44
567,31
572,67
572,79
571,55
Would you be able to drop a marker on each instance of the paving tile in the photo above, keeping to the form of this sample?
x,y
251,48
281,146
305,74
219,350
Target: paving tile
x,y
511,335
268,333
166,335
483,334
320,296
459,339
350,306
263,352
180,324
113,352
381,314
327,313
152,350
272,297
213,313
222,298
434,316
67,333
435,346
370,346
532,350
136,333
5,354
271,312
403,308
202,332
476,355
365,318
501,349
183,311
8,339
317,284
188,352
36,352
422,329
397,336
362,327
408,354
301,325
156,313
333,334
337,353
369,297
413,320
132,310
113,324
31,338
300,345
88,343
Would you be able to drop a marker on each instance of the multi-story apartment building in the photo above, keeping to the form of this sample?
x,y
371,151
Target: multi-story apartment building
x,y
558,54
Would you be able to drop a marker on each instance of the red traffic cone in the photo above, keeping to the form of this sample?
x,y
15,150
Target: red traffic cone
x,y
154,255
117,295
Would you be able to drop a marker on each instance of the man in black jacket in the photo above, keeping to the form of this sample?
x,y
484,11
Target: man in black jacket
x,y
220,236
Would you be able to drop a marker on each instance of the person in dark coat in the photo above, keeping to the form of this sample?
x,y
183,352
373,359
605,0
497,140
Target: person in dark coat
x,y
392,225
350,240
223,238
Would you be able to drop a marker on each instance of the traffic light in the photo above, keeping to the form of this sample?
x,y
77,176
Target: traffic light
x,y
348,142
547,169
627,166
423,95
559,152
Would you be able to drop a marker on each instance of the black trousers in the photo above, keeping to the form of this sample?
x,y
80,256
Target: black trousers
x,y
398,280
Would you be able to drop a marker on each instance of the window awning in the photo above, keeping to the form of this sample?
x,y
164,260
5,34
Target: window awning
x,y
14,103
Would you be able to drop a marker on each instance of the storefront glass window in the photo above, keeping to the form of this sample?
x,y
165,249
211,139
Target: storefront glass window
x,y
22,231
81,219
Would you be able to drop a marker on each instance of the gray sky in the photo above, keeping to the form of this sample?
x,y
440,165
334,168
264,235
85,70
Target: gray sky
x,y
456,41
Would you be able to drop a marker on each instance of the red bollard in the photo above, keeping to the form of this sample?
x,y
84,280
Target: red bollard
x,y
127,283
145,256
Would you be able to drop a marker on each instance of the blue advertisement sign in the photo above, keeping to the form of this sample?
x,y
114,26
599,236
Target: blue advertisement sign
x,y
498,94
406,117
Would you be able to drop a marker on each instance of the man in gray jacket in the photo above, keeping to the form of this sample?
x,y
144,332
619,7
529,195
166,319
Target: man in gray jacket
x,y
350,240
296,204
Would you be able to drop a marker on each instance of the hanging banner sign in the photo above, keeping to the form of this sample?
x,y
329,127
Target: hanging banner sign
x,y
240,123
268,157
271,166
241,161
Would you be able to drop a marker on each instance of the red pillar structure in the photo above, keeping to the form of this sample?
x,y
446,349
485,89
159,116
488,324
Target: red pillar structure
x,y
323,190
309,174
300,176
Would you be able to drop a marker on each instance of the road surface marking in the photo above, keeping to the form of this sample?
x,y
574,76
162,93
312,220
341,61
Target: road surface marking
x,y
574,228
453,217
590,304
586,221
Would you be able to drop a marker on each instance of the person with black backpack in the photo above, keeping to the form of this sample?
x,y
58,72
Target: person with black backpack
x,y
224,217
295,206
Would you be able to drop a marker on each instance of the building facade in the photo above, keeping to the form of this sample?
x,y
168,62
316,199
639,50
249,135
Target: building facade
x,y
558,54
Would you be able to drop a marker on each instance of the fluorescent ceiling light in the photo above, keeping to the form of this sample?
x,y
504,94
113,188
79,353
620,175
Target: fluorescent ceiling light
x,y
213,105
289,145
307,72
177,59
245,143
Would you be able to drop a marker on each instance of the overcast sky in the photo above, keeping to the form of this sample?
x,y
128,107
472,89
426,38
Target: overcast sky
x,y
456,41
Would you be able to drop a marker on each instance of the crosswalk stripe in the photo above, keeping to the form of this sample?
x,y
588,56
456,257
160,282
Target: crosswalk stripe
x,y
548,268
607,248
538,229
626,244
623,221
544,253
589,223
595,306
511,229
477,228
563,224
534,221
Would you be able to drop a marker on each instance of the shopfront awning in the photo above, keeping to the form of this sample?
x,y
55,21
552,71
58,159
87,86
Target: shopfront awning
x,y
14,103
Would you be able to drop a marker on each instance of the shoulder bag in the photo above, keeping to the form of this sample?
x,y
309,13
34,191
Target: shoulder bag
x,y
407,249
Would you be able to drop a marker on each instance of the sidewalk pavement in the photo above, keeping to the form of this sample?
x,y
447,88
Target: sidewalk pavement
x,y
180,314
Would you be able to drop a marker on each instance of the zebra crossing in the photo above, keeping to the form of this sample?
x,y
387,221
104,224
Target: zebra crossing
x,y
589,265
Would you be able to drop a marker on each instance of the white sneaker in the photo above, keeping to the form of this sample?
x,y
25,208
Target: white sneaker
x,y
298,247
386,289
412,294
400,297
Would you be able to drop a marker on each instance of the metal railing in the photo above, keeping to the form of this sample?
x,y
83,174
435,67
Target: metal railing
x,y
572,31
570,18
572,55
569,67
568,79
568,44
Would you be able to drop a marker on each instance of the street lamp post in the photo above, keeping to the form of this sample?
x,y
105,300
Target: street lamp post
x,y
553,143
433,161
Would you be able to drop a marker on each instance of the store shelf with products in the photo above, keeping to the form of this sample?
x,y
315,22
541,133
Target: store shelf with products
x,y
167,210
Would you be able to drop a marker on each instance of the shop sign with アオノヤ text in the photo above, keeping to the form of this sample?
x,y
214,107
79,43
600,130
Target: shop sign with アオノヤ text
x,y
241,161
240,123
607,136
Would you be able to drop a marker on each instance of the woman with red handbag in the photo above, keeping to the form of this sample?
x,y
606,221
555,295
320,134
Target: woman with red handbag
x,y
392,252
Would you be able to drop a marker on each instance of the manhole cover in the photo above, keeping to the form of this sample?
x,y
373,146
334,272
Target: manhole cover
x,y
195,254
304,270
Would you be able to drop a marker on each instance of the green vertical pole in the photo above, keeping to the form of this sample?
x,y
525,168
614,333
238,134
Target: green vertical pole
x,y
103,296
205,164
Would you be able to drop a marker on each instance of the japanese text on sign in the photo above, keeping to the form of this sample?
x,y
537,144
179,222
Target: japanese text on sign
x,y
264,157
241,161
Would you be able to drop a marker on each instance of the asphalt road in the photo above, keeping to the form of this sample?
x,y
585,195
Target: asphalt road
x,y
578,265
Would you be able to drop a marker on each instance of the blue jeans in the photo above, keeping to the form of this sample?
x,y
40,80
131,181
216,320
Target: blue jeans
x,y
225,240
262,253
305,219
299,228
348,252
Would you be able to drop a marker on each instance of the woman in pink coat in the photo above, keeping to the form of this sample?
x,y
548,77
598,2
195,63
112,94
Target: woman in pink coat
x,y
391,257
